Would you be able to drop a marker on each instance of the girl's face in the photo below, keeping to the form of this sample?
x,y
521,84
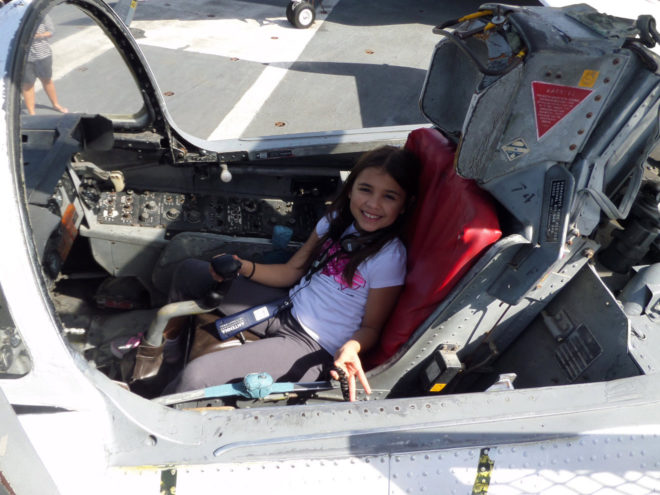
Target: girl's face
x,y
376,200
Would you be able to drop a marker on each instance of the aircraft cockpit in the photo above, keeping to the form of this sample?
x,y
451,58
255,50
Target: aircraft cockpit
x,y
533,255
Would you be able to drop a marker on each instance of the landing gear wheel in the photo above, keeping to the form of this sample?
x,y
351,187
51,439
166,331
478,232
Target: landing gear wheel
x,y
289,11
303,15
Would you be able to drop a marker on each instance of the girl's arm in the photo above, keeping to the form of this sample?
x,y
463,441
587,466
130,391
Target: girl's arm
x,y
279,275
380,303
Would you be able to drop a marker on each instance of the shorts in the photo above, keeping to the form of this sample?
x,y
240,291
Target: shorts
x,y
41,68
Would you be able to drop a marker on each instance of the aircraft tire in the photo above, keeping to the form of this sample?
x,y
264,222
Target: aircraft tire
x,y
289,11
303,15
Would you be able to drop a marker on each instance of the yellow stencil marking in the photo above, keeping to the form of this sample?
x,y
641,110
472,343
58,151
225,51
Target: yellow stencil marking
x,y
484,471
589,78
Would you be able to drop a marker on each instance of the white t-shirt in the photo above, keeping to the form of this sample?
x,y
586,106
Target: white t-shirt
x,y
331,311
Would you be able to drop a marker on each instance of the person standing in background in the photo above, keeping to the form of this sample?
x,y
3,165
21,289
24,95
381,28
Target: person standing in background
x,y
40,65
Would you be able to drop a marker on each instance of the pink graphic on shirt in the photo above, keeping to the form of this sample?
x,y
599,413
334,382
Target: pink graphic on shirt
x,y
336,267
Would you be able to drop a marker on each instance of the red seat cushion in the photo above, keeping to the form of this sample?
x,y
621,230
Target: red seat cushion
x,y
454,221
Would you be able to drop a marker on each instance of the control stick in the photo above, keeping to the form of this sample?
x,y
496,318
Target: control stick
x,y
227,267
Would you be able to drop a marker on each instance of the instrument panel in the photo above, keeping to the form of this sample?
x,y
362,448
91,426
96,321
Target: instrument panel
x,y
230,215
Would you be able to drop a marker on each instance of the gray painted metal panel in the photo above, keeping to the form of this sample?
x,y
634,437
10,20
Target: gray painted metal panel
x,y
21,469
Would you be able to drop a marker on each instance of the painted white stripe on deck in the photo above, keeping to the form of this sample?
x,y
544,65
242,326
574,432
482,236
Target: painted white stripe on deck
x,y
239,118
241,115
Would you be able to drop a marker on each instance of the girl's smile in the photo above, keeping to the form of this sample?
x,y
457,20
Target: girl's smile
x,y
376,200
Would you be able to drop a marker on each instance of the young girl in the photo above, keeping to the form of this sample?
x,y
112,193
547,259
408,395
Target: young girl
x,y
348,276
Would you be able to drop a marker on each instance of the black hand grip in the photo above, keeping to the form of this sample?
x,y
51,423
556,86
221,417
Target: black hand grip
x,y
226,266
343,383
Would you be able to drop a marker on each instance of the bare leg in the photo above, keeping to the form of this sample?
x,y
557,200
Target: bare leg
x,y
28,96
49,87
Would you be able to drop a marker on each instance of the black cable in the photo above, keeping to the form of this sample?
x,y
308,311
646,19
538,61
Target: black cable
x,y
343,383
644,57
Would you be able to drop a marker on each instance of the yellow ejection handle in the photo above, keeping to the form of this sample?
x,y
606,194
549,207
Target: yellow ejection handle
x,y
475,15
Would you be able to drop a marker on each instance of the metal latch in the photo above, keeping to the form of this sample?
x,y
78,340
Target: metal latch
x,y
442,369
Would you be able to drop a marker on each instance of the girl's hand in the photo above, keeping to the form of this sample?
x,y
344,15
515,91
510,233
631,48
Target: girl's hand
x,y
347,359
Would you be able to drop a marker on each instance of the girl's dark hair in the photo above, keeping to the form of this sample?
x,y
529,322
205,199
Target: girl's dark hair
x,y
404,167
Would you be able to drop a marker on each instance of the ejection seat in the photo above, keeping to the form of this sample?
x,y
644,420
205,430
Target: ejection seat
x,y
454,224
556,123
452,316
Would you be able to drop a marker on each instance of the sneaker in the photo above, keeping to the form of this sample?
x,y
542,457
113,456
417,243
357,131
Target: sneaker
x,y
120,346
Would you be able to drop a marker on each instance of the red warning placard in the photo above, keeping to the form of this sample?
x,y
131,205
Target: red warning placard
x,y
553,102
